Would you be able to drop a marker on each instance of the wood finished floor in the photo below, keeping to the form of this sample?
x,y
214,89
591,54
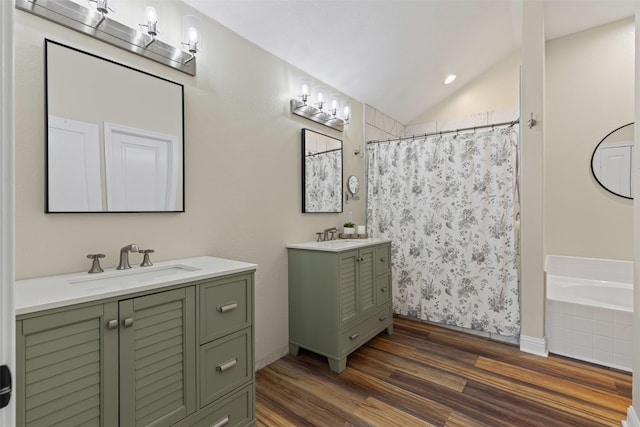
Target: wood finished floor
x,y
424,375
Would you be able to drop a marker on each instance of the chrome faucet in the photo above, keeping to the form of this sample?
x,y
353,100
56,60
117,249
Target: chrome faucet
x,y
124,256
326,232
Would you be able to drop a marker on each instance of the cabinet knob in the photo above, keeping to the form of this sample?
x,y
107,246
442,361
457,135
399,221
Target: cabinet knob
x,y
227,307
128,322
354,336
382,318
223,422
383,289
227,365
112,324
383,259
361,259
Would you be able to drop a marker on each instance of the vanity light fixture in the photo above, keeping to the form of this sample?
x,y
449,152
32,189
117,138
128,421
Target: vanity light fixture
x,y
192,33
318,110
81,18
102,6
150,14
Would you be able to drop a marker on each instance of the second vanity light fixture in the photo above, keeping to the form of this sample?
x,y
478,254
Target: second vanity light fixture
x,y
317,109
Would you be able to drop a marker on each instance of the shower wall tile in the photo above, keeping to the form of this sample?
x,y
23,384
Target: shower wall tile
x,y
462,122
381,126
506,115
421,129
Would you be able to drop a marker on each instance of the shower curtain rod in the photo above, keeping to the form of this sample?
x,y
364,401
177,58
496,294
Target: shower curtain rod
x,y
322,152
424,135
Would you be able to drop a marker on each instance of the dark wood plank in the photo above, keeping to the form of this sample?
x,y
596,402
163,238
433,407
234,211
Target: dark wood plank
x,y
427,375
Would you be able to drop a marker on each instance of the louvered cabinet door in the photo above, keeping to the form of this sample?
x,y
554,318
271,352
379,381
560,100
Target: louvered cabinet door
x,y
157,358
367,282
348,287
67,364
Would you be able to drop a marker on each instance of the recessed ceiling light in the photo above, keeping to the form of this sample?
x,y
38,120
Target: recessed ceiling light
x,y
450,78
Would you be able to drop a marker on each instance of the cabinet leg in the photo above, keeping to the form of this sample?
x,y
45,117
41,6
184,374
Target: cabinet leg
x,y
389,329
337,365
294,349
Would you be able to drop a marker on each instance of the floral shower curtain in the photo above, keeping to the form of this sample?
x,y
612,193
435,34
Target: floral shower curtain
x,y
447,204
323,181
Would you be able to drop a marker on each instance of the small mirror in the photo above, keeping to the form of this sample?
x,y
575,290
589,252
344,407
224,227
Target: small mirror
x,y
115,138
612,162
321,173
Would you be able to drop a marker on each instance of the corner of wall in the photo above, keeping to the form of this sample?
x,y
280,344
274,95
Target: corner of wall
x,y
534,345
379,125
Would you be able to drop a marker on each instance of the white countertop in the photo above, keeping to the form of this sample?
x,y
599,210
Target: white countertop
x,y
338,245
43,293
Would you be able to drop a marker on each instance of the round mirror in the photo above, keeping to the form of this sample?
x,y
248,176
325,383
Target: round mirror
x,y
612,162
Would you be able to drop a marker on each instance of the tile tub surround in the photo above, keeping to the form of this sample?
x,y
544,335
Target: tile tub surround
x,y
588,330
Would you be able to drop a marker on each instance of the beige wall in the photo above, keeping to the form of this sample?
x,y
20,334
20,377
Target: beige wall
x,y
242,154
590,87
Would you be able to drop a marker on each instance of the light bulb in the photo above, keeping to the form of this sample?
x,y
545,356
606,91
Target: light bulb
x,y
346,112
152,15
305,89
193,35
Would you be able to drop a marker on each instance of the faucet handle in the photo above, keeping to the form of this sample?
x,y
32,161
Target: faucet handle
x,y
95,266
146,262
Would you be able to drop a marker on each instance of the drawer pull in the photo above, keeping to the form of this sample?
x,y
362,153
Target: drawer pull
x,y
383,289
128,322
353,336
227,307
383,259
227,365
222,422
112,324
383,317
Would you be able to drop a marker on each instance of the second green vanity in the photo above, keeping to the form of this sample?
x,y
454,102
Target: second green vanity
x,y
339,296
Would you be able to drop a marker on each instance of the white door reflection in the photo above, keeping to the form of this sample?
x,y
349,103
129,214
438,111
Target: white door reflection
x,y
141,169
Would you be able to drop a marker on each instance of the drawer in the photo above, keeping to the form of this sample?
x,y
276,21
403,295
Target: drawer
x,y
233,411
225,306
383,289
383,259
225,364
354,336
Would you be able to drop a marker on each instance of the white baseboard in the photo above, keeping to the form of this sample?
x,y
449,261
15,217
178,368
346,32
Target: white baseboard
x,y
632,418
533,345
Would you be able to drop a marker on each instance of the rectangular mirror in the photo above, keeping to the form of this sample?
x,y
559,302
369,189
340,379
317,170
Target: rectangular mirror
x,y
115,136
321,173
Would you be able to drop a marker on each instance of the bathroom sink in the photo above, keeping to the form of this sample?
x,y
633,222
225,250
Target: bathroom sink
x,y
336,245
134,275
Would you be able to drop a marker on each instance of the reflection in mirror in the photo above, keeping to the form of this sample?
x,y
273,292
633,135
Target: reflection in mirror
x,y
114,136
321,173
612,162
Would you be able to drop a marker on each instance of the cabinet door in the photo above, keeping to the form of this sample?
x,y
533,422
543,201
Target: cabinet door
x,y
348,286
157,358
67,364
367,283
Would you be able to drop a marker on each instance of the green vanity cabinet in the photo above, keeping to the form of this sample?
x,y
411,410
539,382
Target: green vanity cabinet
x,y
142,360
338,299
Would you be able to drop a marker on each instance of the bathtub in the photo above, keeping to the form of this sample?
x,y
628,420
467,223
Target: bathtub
x,y
589,309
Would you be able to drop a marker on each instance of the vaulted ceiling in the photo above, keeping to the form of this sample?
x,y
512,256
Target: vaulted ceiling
x,y
395,54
